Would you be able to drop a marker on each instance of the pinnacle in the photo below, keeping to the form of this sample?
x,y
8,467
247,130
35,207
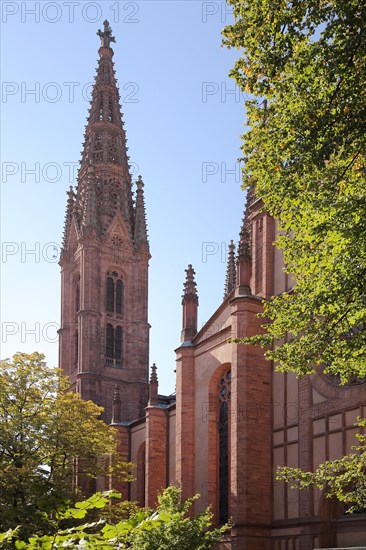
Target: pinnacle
x,y
230,270
244,248
140,234
189,290
68,216
153,375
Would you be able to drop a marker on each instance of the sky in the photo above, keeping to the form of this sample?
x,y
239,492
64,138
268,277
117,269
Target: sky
x,y
183,117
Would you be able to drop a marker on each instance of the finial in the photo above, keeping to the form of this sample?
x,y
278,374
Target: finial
x,y
106,36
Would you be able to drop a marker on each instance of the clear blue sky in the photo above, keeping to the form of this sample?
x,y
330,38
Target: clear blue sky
x,y
183,127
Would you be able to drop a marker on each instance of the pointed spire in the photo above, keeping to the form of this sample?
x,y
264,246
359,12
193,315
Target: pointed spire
x,y
244,260
117,406
105,148
140,235
190,306
230,270
68,215
153,387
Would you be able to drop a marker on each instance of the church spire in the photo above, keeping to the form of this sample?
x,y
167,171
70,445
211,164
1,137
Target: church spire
x,y
190,306
104,270
140,235
105,148
230,270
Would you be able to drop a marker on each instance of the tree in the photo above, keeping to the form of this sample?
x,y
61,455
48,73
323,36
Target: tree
x,y
303,66
167,527
45,430
344,479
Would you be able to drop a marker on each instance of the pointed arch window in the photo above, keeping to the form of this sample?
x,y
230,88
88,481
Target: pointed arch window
x,y
224,399
77,297
114,294
110,111
110,295
119,297
118,344
114,345
109,347
100,108
76,348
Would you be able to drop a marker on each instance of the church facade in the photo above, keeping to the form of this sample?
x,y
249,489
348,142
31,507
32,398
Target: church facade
x,y
232,419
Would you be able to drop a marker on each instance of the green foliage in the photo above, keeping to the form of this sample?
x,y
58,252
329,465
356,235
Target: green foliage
x,y
305,64
168,527
344,479
124,509
177,530
44,430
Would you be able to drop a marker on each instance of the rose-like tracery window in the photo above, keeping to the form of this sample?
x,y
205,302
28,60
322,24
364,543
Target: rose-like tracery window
x,y
117,241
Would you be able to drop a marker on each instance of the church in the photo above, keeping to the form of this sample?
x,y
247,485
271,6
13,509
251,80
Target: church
x,y
232,419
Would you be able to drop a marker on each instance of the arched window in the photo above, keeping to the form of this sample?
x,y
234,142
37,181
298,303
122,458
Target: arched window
x,y
76,348
118,344
224,397
77,297
110,294
141,472
119,297
115,293
109,347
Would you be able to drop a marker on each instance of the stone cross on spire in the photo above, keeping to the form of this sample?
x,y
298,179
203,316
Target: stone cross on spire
x,y
106,37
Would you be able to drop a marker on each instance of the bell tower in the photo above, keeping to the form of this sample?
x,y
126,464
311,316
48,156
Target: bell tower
x,y
104,334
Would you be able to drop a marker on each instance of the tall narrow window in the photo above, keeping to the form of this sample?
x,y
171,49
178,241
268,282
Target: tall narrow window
x,y
76,349
118,344
114,293
119,297
109,348
110,294
224,395
77,297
